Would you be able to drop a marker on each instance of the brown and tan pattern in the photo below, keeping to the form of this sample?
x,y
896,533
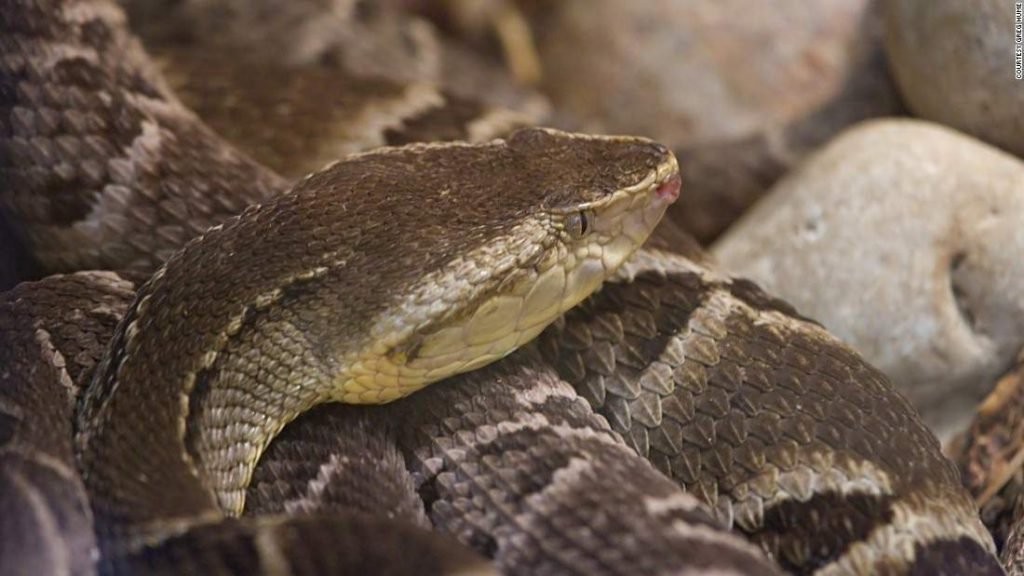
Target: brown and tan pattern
x,y
52,334
376,276
1013,549
336,458
296,120
103,167
365,473
100,166
785,432
296,315
514,463
853,499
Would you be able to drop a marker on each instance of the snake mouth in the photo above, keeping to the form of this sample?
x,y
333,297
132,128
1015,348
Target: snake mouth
x,y
669,189
633,213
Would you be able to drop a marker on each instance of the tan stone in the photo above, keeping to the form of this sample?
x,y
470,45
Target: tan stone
x,y
954,63
904,238
741,90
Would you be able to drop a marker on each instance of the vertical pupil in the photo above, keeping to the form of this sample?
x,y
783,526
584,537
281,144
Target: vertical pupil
x,y
583,223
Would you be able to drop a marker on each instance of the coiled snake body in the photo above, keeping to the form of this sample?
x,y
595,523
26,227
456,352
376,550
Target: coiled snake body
x,y
370,279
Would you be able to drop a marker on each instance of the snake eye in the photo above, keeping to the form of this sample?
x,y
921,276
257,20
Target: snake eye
x,y
579,223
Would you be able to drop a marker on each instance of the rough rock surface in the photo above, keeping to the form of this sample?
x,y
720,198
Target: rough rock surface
x,y
953,61
903,238
753,87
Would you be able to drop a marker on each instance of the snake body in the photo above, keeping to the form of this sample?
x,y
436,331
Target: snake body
x,y
310,327
782,431
44,360
48,527
138,174
507,458
295,121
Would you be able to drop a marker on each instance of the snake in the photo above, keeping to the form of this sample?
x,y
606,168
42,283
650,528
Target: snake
x,y
626,434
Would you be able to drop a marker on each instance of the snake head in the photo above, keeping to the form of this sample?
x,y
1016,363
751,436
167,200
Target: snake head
x,y
532,225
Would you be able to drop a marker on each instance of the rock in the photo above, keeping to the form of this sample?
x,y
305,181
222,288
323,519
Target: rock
x,y
740,99
904,238
953,61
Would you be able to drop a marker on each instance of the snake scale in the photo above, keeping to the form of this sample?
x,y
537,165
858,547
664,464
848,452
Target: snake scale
x,y
670,405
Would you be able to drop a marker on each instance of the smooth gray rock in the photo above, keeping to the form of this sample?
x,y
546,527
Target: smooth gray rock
x,y
954,63
906,239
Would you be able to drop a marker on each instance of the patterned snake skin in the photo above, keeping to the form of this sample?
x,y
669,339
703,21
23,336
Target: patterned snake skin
x,y
787,433
52,334
782,432
513,463
507,458
102,167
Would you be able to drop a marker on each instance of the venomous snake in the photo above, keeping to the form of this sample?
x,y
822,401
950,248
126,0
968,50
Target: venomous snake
x,y
754,418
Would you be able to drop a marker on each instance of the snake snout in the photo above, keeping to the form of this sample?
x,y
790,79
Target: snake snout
x,y
669,189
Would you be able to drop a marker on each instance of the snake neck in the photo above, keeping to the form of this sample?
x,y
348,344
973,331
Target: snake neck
x,y
258,384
